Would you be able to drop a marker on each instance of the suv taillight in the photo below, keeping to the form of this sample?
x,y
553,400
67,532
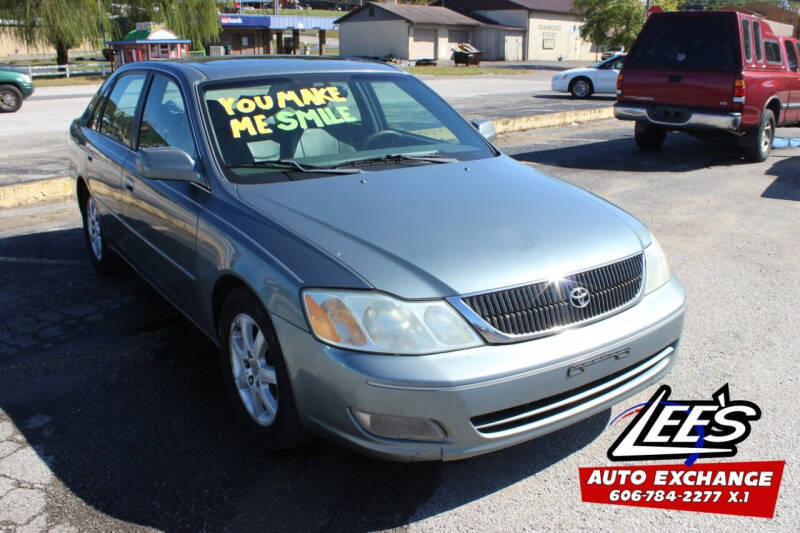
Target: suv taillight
x,y
619,83
739,91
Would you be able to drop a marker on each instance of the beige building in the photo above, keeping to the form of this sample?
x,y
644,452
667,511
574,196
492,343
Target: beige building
x,y
13,48
423,32
552,31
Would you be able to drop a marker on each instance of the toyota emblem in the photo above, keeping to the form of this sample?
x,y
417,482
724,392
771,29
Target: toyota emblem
x,y
579,297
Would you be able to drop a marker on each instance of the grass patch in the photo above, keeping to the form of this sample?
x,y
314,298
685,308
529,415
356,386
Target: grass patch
x,y
63,82
462,71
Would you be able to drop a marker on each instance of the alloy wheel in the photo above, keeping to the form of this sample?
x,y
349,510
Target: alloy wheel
x,y
93,227
766,136
8,99
254,376
580,89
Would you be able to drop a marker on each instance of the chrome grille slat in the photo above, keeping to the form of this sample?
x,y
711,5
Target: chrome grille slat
x,y
540,307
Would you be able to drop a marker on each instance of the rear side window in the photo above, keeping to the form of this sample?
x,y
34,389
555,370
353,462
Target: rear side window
x,y
164,121
695,42
773,52
791,56
120,109
748,46
757,40
797,45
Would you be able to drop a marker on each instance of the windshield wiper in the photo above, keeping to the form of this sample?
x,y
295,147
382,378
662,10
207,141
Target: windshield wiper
x,y
291,164
396,158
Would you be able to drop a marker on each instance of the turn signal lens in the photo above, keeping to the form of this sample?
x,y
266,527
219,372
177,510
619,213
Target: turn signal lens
x,y
739,89
619,83
333,321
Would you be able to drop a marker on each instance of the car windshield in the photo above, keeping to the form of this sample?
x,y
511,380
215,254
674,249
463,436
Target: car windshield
x,y
304,123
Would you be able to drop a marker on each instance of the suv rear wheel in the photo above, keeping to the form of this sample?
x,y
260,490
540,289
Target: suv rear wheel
x,y
10,98
757,144
648,136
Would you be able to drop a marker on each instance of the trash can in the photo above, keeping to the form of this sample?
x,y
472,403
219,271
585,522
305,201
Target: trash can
x,y
466,54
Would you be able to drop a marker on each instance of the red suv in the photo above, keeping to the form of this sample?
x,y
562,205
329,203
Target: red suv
x,y
707,71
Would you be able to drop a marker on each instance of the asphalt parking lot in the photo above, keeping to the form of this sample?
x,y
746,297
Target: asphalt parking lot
x,y
111,407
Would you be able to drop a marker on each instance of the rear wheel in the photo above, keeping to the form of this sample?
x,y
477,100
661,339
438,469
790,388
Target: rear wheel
x,y
757,143
255,374
581,88
10,98
648,136
103,259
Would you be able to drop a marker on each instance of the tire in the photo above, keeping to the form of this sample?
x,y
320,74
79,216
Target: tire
x,y
757,143
648,136
581,87
10,98
256,380
103,258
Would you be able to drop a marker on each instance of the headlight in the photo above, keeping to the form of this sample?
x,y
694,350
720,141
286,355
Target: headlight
x,y
375,322
657,267
27,78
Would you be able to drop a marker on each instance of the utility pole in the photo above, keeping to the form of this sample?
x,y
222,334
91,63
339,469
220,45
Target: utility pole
x,y
276,7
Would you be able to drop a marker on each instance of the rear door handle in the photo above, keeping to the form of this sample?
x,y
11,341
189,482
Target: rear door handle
x,y
676,79
89,156
128,183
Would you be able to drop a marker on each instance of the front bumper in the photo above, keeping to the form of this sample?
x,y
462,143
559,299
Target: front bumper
x,y
27,89
559,84
693,120
490,397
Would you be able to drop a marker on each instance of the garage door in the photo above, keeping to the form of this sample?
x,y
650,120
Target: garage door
x,y
423,45
513,48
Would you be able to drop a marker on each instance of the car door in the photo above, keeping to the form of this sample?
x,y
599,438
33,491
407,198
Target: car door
x,y
108,135
792,113
163,214
606,76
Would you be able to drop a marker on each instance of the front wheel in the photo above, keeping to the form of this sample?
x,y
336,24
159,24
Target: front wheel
x,y
10,98
649,137
581,88
255,374
757,144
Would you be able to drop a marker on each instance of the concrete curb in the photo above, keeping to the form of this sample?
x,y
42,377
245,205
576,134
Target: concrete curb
x,y
61,189
549,120
32,192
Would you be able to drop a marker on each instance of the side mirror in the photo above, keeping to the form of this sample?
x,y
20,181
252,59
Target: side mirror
x,y
166,163
486,128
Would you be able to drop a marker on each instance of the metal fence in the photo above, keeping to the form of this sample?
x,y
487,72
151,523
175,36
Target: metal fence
x,y
68,70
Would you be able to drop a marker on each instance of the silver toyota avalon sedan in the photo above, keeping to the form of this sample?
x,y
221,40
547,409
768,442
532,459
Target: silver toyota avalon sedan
x,y
371,267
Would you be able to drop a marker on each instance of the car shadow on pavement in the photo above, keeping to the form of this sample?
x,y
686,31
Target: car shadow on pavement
x,y
680,153
122,397
787,182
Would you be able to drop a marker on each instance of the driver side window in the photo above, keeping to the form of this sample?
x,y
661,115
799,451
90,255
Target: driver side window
x,y
164,122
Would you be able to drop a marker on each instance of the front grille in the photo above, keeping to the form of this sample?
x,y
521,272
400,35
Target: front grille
x,y
544,306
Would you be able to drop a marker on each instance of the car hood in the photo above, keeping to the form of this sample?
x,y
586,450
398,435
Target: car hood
x,y
575,71
446,229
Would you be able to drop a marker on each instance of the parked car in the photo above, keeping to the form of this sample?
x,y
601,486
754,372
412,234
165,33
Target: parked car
x,y
583,82
371,267
706,72
613,50
15,86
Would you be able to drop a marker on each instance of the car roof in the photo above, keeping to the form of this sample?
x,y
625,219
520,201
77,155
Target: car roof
x,y
232,67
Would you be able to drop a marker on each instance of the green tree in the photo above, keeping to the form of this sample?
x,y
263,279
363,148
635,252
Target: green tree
x,y
63,24
610,22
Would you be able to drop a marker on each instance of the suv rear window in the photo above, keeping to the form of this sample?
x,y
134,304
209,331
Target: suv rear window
x,y
694,42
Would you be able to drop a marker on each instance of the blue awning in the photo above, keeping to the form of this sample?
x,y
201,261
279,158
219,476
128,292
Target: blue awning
x,y
277,22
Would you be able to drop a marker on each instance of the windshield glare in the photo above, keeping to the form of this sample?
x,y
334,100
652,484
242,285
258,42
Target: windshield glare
x,y
324,121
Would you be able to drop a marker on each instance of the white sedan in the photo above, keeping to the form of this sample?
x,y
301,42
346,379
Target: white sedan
x,y
583,82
